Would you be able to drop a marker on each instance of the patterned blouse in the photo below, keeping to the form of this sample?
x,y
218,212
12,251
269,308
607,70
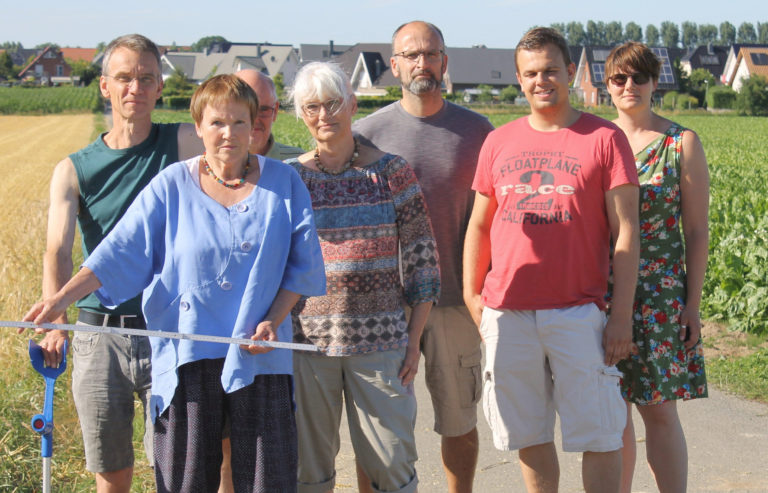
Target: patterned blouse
x,y
379,251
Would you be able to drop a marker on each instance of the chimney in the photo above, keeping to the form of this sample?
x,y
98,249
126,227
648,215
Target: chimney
x,y
330,52
709,48
378,68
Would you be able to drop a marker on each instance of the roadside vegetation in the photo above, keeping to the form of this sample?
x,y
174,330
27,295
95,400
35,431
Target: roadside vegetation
x,y
735,304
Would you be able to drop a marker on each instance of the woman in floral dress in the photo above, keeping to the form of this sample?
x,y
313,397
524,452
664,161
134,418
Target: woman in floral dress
x,y
674,180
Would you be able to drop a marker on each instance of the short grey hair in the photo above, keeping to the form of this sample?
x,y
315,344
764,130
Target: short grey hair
x,y
133,42
320,81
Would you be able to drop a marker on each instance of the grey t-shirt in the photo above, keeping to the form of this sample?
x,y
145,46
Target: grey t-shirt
x,y
442,149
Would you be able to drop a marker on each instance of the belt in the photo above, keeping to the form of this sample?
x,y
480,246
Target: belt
x,y
104,320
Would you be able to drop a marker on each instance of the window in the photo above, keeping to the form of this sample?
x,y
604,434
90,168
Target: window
x,y
759,58
495,74
59,70
708,60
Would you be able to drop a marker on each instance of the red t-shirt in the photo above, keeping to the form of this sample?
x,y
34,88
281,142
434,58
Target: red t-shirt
x,y
550,236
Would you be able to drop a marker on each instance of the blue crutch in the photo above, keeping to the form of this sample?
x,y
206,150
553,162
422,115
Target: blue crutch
x,y
43,423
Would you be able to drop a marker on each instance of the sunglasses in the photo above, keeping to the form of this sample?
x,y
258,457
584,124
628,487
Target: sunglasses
x,y
638,78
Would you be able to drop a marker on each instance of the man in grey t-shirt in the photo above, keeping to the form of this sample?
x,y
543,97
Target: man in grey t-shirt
x,y
441,141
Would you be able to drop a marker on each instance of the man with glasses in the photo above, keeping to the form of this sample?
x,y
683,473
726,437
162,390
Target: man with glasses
x,y
441,141
93,187
262,140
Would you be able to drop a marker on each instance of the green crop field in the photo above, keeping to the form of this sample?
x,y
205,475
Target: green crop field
x,y
48,100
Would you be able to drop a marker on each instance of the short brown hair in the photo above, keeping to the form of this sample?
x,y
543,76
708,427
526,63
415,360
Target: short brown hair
x,y
632,57
133,42
221,89
538,37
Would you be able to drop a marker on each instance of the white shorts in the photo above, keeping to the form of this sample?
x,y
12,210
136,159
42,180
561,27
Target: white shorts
x,y
542,361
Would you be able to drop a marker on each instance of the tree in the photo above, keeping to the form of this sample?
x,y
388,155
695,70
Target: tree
x,y
279,82
707,33
559,27
595,33
699,83
690,34
6,66
509,94
178,84
633,32
670,34
11,45
393,91
651,35
42,46
753,96
762,33
614,34
205,42
85,70
727,34
575,34
485,95
747,33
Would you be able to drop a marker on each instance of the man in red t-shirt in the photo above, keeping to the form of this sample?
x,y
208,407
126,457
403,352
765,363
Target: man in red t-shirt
x,y
552,189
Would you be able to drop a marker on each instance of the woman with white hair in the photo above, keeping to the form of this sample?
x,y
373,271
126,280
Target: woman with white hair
x,y
373,225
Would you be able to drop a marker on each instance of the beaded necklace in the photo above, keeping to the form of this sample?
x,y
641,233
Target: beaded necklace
x,y
222,182
344,168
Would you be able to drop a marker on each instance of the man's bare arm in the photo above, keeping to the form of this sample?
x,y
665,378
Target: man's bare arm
x,y
57,260
622,204
477,253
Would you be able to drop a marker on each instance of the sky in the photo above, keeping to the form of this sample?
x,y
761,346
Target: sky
x,y
493,23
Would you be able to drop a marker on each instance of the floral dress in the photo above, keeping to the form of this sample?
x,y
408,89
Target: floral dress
x,y
663,369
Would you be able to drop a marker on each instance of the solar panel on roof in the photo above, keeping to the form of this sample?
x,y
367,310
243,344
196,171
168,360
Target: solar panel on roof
x,y
598,70
666,75
600,55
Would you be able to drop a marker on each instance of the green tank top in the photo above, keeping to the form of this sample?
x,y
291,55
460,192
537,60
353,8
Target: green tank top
x,y
109,181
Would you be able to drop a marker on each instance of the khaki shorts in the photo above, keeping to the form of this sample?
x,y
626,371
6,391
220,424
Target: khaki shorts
x,y
108,369
546,360
381,414
452,361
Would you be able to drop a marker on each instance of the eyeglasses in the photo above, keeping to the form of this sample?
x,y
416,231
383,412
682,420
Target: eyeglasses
x,y
639,78
430,56
146,80
266,111
332,106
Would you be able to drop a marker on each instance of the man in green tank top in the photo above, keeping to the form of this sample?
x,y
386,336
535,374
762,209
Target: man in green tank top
x,y
92,188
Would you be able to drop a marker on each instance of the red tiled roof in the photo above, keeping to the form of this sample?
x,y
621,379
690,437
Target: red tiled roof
x,y
85,54
746,54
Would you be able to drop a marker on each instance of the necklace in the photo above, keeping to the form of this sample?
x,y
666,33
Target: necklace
x,y
222,182
344,168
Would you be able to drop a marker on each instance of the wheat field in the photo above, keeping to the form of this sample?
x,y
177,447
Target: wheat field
x,y
30,147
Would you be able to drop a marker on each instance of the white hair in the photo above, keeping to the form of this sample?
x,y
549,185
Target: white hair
x,y
320,81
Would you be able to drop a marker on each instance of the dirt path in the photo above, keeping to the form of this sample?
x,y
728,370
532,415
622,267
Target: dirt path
x,y
727,447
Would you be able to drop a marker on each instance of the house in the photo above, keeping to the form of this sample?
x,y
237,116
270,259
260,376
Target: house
x,y
227,58
729,68
48,68
589,81
470,67
708,57
367,65
751,60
